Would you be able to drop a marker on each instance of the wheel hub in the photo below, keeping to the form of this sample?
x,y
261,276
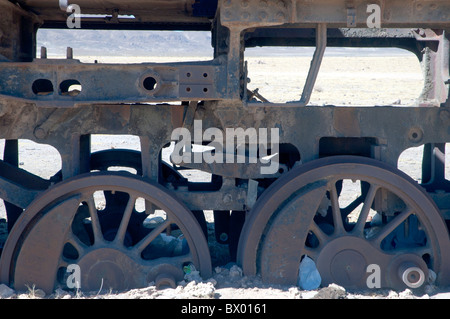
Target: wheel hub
x,y
344,261
107,267
347,267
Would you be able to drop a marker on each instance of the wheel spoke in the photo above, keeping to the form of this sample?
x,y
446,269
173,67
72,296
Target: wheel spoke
x,y
144,242
352,206
390,226
96,228
358,229
319,233
64,263
336,211
120,236
77,244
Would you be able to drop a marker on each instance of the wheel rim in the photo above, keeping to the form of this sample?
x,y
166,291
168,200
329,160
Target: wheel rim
x,y
115,247
291,220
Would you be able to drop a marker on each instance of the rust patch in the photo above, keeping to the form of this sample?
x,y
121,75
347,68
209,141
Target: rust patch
x,y
120,113
177,112
346,122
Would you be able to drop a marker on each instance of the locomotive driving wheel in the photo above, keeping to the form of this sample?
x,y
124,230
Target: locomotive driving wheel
x,y
96,221
391,226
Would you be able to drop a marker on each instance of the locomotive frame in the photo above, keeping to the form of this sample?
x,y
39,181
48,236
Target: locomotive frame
x,y
273,219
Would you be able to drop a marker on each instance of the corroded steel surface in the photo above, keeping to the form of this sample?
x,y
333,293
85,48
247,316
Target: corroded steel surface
x,y
63,102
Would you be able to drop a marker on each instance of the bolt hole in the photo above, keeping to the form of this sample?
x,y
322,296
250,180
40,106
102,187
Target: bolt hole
x,y
42,87
415,134
205,90
188,89
205,75
150,83
188,74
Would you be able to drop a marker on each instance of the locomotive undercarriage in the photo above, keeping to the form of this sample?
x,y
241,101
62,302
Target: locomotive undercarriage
x,y
270,220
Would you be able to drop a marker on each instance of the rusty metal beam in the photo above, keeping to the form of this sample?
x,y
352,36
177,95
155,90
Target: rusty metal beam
x,y
336,13
321,44
67,83
136,14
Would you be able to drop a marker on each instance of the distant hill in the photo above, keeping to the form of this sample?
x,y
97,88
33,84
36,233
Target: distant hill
x,y
125,43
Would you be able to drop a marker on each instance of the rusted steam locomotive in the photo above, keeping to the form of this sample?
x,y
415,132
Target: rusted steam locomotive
x,y
275,198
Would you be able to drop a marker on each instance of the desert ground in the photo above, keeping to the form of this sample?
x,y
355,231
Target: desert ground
x,y
345,79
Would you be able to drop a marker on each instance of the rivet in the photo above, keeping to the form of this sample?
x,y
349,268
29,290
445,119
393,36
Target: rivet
x,y
39,132
227,14
245,15
281,16
227,3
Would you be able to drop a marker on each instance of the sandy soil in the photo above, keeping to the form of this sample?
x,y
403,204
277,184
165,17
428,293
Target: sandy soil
x,y
367,81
